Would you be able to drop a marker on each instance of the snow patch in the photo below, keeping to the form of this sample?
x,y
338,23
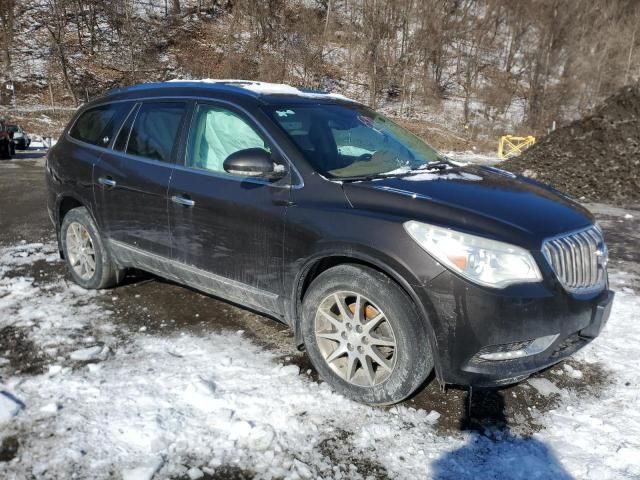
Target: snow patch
x,y
85,354
572,372
50,313
266,88
50,408
195,473
9,406
159,403
544,387
143,472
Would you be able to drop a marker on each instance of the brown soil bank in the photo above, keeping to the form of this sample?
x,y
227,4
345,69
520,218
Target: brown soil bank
x,y
596,158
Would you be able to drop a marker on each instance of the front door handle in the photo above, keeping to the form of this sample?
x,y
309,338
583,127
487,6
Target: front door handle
x,y
107,181
183,200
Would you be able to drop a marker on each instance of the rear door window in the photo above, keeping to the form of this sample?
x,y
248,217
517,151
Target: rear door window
x,y
98,125
155,131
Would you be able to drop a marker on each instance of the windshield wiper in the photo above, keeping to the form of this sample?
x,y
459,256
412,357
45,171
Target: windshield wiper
x,y
363,178
440,164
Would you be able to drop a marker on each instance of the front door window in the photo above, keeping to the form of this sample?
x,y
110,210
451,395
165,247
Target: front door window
x,y
216,134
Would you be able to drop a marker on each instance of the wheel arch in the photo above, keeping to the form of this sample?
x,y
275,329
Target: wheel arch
x,y
65,202
321,263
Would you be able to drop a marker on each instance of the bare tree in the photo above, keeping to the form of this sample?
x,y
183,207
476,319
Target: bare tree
x,y
7,25
57,26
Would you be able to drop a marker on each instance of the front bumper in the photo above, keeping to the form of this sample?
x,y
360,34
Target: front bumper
x,y
467,319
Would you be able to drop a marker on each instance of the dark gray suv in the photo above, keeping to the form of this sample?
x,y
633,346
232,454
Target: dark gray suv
x,y
388,260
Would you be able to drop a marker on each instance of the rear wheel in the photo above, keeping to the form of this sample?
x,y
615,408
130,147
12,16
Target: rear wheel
x,y
364,336
87,259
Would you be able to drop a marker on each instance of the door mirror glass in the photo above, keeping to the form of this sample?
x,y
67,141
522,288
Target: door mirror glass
x,y
253,162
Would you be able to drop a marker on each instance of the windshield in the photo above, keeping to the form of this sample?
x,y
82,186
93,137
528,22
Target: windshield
x,y
343,141
13,128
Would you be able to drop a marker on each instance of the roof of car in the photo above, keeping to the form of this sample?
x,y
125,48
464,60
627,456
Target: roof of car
x,y
266,93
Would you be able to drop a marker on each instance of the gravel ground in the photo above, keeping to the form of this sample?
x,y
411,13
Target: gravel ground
x,y
596,158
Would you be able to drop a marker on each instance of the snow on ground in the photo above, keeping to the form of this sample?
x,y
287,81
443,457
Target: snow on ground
x,y
147,405
473,157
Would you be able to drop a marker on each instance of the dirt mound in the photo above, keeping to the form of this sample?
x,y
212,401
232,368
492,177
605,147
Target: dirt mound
x,y
596,158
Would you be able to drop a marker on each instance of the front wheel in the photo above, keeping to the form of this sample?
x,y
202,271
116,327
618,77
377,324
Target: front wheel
x,y
86,257
364,335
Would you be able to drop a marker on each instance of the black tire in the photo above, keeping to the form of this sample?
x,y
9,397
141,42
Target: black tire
x,y
12,149
5,149
106,274
412,356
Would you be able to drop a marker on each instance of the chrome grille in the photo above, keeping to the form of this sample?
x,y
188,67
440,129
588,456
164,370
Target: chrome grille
x,y
578,259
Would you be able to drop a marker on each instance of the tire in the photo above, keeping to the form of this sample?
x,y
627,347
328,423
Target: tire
x,y
5,149
78,226
12,148
382,302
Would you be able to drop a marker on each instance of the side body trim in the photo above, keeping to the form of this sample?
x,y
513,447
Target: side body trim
x,y
227,289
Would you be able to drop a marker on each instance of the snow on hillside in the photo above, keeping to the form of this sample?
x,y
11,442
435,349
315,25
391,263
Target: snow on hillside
x,y
180,405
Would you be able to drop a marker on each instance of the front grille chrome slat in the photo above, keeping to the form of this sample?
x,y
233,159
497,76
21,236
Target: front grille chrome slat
x,y
585,276
578,259
594,258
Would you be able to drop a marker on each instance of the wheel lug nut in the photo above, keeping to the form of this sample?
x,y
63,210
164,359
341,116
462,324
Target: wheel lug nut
x,y
365,340
344,335
348,326
358,329
360,350
349,347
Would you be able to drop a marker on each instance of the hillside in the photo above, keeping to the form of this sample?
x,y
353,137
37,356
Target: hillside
x,y
467,71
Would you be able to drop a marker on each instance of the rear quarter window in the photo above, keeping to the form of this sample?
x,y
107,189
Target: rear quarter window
x,y
98,125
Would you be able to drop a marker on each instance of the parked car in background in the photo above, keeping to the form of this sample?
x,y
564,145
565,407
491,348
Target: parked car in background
x,y
387,260
21,139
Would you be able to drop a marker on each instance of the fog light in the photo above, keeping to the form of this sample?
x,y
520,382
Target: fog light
x,y
511,351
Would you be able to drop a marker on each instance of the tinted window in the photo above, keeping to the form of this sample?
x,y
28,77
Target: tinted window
x,y
155,130
216,134
121,142
98,125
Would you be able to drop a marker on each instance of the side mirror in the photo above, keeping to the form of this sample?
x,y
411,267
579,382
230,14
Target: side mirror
x,y
252,162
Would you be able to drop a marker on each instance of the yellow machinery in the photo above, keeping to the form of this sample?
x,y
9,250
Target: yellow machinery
x,y
510,146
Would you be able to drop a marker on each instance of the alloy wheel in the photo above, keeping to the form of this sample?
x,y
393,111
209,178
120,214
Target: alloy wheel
x,y
355,338
80,250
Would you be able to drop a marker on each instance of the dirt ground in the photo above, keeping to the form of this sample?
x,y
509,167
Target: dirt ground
x,y
595,158
143,298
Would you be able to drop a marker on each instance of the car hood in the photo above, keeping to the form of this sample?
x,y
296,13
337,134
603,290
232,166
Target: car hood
x,y
477,199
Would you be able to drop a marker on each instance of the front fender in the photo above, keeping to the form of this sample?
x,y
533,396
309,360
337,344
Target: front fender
x,y
362,254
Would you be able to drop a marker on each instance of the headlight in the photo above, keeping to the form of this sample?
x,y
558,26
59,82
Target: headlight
x,y
481,260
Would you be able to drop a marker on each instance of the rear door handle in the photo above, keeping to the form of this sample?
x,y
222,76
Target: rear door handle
x,y
107,181
284,203
183,200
